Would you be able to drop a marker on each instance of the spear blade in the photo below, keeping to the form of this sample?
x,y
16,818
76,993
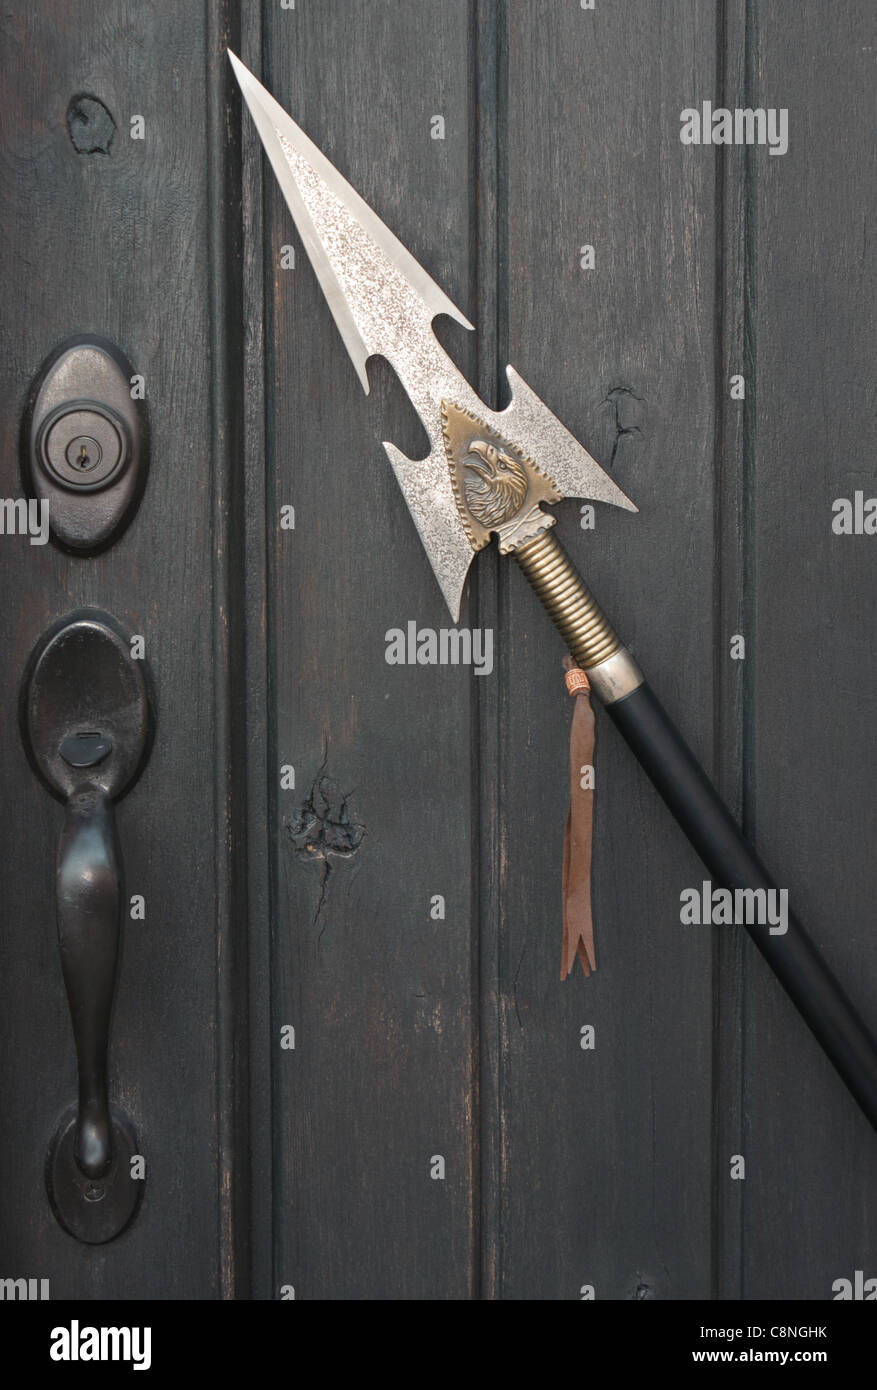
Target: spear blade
x,y
384,303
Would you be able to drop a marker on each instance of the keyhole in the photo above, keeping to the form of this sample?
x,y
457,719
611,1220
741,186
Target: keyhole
x,y
83,453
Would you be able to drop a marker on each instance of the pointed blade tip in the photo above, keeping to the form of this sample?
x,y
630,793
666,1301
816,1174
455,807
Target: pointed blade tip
x,y
247,81
623,503
622,500
238,68
459,317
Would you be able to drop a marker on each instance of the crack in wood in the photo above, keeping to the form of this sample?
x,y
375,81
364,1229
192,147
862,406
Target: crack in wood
x,y
325,828
624,402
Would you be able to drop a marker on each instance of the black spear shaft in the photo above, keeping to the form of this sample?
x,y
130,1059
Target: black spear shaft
x,y
618,682
734,864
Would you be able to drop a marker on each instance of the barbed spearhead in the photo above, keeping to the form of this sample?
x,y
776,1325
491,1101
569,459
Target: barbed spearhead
x,y
487,472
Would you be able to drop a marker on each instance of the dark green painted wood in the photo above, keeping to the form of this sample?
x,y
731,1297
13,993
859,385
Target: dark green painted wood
x,y
384,1068
257,1100
607,1153
120,243
810,1205
415,1038
731,596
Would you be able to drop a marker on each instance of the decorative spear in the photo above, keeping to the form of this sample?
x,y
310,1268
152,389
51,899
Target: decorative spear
x,y
489,473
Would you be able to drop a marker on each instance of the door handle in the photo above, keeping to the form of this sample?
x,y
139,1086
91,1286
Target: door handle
x,y
87,724
88,903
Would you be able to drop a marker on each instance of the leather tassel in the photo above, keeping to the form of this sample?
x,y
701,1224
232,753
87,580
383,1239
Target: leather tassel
x,y
578,925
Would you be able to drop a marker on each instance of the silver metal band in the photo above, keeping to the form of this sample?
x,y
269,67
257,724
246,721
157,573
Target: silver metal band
x,y
615,677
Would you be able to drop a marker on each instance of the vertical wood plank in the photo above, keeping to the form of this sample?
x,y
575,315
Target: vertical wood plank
x,y
485,589
260,783
732,599
606,1161
117,242
383,1071
810,1210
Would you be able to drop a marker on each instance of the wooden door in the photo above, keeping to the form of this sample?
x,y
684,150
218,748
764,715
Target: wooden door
x,y
300,1032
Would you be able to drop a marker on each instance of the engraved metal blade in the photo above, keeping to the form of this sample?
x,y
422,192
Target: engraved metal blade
x,y
384,303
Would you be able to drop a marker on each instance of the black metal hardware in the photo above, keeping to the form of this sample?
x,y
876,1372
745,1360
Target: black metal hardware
x,y
86,442
86,723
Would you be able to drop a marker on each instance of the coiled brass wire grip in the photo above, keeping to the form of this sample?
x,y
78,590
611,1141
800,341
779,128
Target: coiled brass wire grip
x,y
584,627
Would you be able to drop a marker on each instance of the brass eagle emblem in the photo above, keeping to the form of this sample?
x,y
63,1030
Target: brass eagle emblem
x,y
495,484
497,488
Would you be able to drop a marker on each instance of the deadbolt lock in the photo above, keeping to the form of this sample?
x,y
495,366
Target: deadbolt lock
x,y
87,442
84,445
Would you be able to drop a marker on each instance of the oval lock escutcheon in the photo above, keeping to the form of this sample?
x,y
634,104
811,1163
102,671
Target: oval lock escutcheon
x,y
87,442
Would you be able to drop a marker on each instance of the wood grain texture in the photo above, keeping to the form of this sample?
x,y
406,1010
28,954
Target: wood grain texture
x,y
116,243
608,1151
380,995
257,1099
810,1210
732,597
310,906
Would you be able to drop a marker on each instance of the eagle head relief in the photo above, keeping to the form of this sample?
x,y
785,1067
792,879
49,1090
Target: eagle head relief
x,y
497,488
495,484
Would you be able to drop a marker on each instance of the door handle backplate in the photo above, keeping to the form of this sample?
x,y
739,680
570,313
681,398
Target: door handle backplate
x,y
86,724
